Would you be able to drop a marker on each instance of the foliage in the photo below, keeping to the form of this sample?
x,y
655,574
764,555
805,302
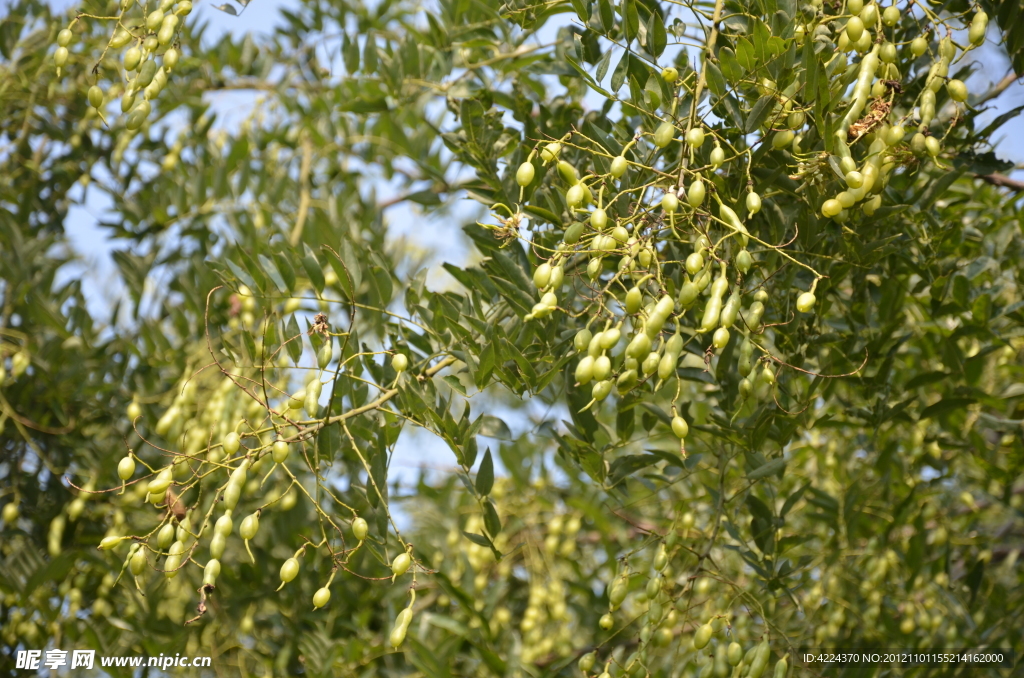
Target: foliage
x,y
809,430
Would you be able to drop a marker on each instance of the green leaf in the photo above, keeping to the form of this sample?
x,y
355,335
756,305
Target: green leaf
x,y
656,37
485,475
758,113
773,466
491,520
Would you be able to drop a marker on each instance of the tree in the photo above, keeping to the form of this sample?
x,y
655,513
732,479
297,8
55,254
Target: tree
x,y
751,277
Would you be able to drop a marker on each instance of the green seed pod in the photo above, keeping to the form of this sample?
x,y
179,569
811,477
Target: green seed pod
x,y
639,347
734,654
831,208
688,293
634,299
109,543
979,25
146,73
752,317
602,367
743,261
217,544
232,493
138,563
805,302
730,310
324,355
782,139
711,313
224,525
933,146
717,157
796,120
746,387
609,338
891,15
165,536
120,38
606,622
127,101
753,203
542,275
289,570
667,365
599,219
211,572
701,636
695,194
669,203
359,528
171,57
231,443
525,174
64,37
250,525
154,19
601,390
568,172
694,263
573,233
626,380
126,468
60,57
767,375
574,196
720,338
650,363
321,598
95,96
550,151
617,592
679,427
869,15
619,166
586,662
695,137
594,347
585,370
582,340
781,668
918,46
173,561
400,565
279,451
854,29
664,134
957,90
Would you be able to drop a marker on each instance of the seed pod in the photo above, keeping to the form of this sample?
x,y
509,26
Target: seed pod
x,y
957,90
585,370
289,570
64,37
743,261
918,46
679,427
634,299
224,525
582,339
359,528
602,367
211,572
752,317
891,15
619,166
979,25
232,493
694,263
95,96
695,194
609,338
525,174
574,196
171,57
782,139
120,38
279,451
400,565
399,362
250,525
780,668
664,134
701,636
717,157
650,363
667,365
231,443
670,203
805,302
138,562
720,339
550,151
711,312
109,543
831,208
601,390
321,597
730,310
573,233
217,544
126,468
617,592
639,347
586,662
753,203
324,355
695,137
60,57
542,275
734,654
626,380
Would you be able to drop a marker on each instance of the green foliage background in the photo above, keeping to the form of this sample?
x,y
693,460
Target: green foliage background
x,y
826,516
